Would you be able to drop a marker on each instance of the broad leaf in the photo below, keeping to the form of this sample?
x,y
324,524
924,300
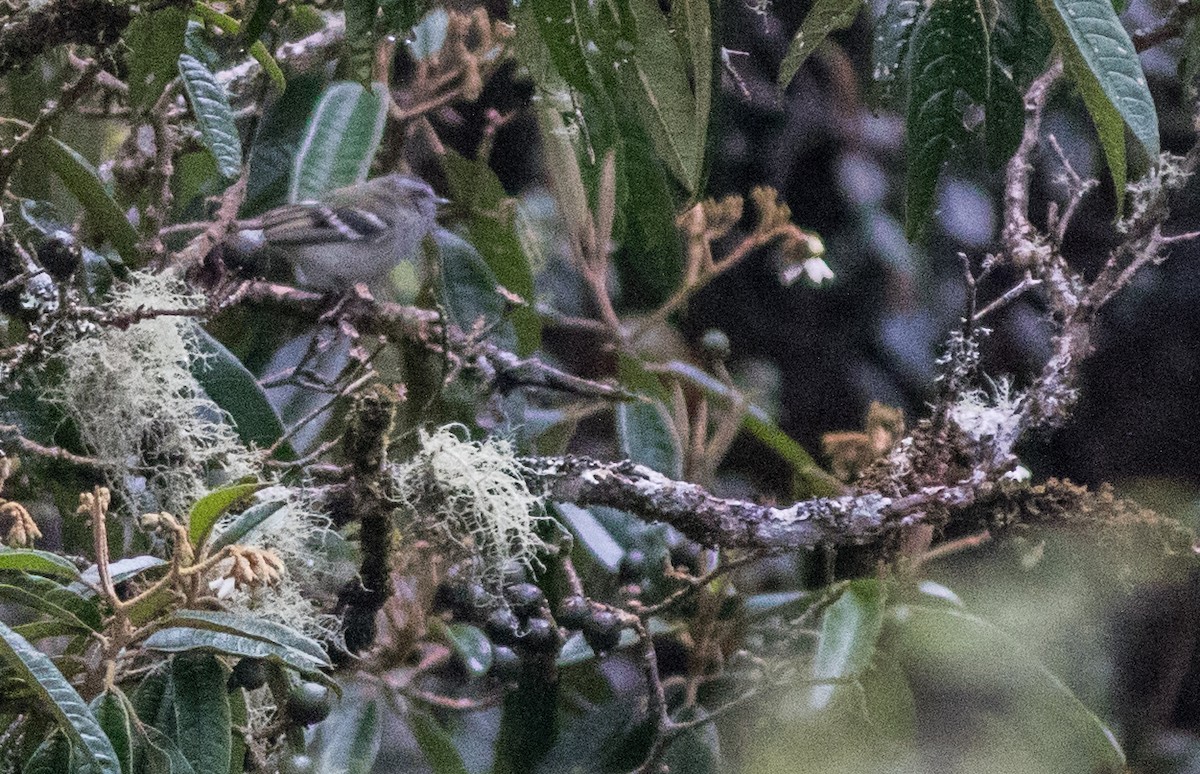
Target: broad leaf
x,y
435,743
122,569
951,651
472,647
80,178
949,66
232,387
36,562
253,628
692,24
824,17
491,225
892,32
57,698
47,596
360,26
339,144
349,740
179,639
246,523
112,713
258,19
850,632
237,722
52,756
155,40
645,432
202,722
470,288
592,535
1101,59
213,506
210,105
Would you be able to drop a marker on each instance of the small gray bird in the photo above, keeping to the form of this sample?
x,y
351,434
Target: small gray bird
x,y
356,234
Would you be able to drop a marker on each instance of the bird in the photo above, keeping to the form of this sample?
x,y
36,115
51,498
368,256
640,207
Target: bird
x,y
356,234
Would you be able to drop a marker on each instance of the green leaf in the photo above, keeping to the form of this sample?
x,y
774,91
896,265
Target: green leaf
x,y
179,639
57,698
210,105
123,569
399,16
235,390
952,651
214,505
645,432
824,17
110,709
949,62
892,32
360,40
339,144
161,754
253,628
84,184
258,19
52,756
850,633
469,287
1101,59
563,28
56,601
202,722
152,693
36,562
654,78
472,646
39,630
435,743
698,750
237,721
155,40
592,535
269,65
692,23
273,151
243,525
349,741
491,225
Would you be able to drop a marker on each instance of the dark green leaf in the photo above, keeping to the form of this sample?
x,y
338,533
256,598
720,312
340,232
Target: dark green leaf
x,y
1101,59
645,431
210,105
850,633
52,756
36,562
39,630
592,535
273,152
360,39
123,569
237,722
155,40
59,699
259,18
399,16
179,639
246,523
472,646
435,743
654,78
202,722
469,287
230,25
692,23
81,180
954,651
213,506
696,751
491,225
339,144
824,17
160,754
48,597
892,32
349,740
254,628
949,65
563,29
111,711
151,694
1189,58
232,387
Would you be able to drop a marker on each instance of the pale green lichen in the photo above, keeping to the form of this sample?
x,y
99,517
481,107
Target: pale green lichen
x,y
473,494
295,534
133,396
989,416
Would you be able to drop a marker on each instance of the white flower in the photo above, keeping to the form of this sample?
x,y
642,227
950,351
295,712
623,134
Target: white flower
x,y
817,270
1020,474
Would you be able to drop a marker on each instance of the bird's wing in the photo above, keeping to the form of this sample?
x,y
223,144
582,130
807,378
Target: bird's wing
x,y
311,223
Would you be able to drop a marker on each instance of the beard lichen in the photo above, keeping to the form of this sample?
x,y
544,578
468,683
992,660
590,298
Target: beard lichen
x,y
473,496
132,394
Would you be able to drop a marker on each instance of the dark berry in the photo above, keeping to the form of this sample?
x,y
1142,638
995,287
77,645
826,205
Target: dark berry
x,y
501,626
309,703
525,599
249,673
540,636
633,567
506,664
573,612
602,631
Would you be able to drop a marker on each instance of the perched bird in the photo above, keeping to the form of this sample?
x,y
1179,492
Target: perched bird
x,y
355,234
